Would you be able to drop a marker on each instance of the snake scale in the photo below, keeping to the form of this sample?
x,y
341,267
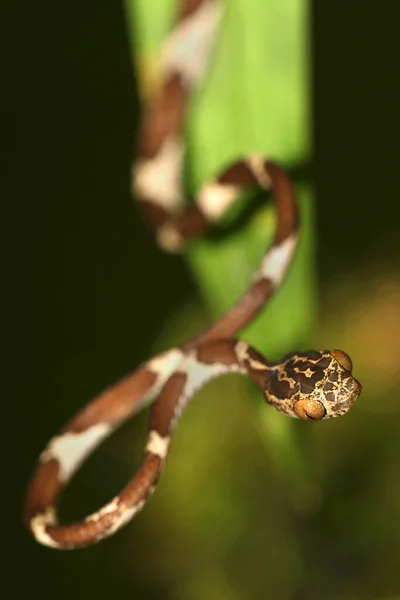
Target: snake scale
x,y
308,385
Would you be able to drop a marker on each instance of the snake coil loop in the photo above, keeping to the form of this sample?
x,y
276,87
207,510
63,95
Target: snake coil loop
x,y
308,385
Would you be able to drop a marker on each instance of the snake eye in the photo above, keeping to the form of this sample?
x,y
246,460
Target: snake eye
x,y
343,360
309,410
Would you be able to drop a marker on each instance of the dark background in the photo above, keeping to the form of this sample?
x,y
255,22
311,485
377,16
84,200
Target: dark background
x,y
77,257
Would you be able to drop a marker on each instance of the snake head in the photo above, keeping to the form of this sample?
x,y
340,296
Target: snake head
x,y
313,385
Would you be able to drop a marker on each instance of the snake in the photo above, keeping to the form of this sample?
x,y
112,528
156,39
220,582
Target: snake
x,y
311,386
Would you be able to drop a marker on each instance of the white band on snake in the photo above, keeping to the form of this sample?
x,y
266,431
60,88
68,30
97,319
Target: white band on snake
x,y
308,385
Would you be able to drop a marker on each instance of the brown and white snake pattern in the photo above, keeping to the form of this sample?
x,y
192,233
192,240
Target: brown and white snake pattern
x,y
308,385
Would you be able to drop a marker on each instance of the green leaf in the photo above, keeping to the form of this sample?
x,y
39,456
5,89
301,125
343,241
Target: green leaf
x,y
255,99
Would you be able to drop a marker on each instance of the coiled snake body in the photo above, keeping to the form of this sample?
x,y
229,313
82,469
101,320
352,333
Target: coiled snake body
x,y
308,385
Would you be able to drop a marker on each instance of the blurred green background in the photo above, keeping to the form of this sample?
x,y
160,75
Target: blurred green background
x,y
228,521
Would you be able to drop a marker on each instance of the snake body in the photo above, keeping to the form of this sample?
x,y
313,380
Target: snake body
x,y
308,385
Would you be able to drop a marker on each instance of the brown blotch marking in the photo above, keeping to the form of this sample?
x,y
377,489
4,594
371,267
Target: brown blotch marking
x,y
238,174
285,202
85,532
287,357
191,223
305,382
330,387
330,395
154,214
260,292
140,487
188,7
337,407
88,531
306,389
115,404
43,489
163,410
222,352
238,316
334,376
299,374
254,355
258,374
280,389
164,116
324,362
